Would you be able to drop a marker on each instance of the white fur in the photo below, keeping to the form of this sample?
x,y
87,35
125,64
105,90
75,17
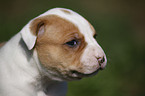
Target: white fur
x,y
19,73
28,37
20,69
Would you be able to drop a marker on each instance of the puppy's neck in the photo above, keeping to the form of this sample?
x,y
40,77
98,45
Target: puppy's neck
x,y
21,72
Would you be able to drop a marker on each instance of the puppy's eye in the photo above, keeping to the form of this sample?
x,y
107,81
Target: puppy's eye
x,y
72,43
95,36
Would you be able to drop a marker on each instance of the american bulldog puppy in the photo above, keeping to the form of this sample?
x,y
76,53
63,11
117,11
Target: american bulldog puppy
x,y
53,48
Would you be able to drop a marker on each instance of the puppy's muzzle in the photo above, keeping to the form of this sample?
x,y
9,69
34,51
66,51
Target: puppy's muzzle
x,y
79,75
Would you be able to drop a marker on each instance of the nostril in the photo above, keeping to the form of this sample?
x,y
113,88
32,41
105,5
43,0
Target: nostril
x,y
101,60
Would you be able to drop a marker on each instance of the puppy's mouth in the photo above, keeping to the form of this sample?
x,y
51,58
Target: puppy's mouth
x,y
75,75
70,75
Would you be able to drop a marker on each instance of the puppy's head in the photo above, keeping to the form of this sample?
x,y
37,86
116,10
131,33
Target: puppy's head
x,y
65,44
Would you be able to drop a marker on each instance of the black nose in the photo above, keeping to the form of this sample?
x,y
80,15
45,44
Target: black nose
x,y
101,60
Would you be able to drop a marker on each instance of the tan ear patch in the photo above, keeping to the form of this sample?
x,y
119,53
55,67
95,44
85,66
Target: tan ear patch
x,y
36,24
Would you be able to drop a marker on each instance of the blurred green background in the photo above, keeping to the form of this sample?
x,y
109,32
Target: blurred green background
x,y
120,25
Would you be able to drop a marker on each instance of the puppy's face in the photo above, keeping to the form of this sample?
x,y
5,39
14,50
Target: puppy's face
x,y
66,47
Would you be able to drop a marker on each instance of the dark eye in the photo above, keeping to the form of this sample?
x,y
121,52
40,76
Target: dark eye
x,y
72,43
95,36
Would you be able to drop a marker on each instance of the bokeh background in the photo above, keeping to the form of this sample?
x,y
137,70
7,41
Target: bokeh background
x,y
120,25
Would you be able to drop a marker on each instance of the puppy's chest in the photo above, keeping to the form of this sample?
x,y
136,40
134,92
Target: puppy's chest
x,y
52,88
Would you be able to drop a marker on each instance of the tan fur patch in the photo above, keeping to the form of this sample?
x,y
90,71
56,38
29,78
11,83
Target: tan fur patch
x,y
66,11
51,47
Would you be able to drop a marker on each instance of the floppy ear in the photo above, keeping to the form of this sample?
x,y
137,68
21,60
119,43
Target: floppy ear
x,y
30,32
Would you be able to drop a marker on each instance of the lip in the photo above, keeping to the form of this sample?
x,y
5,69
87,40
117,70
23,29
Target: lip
x,y
76,75
81,75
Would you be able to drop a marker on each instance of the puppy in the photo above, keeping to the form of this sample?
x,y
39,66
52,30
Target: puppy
x,y
53,48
